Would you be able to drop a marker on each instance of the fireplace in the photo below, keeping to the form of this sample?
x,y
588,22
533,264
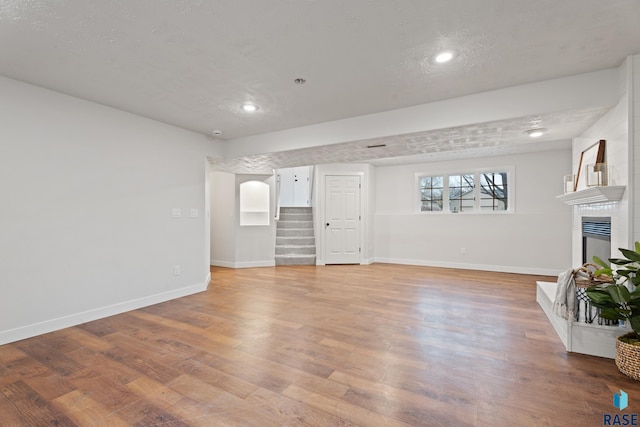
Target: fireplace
x,y
596,238
596,241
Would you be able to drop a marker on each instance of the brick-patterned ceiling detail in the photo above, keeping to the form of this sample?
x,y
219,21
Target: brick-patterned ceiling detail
x,y
480,140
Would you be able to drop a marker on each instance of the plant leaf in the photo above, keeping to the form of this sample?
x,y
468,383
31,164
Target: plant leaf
x,y
600,262
624,313
619,294
599,296
635,323
632,255
620,261
611,314
603,272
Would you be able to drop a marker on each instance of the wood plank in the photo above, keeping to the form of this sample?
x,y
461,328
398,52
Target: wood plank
x,y
430,407
29,408
50,386
296,413
339,408
232,408
188,410
49,357
85,411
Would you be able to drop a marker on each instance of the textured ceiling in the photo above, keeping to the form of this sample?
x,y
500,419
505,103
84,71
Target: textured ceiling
x,y
191,63
480,140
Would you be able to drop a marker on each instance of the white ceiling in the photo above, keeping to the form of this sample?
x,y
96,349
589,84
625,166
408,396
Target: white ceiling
x,y
191,63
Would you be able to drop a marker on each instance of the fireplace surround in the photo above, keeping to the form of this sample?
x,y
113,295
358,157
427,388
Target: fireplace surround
x,y
600,226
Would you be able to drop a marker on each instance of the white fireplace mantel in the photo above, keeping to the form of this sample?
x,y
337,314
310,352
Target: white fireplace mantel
x,y
612,193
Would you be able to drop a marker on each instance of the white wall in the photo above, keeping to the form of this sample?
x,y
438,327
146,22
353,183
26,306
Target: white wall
x,y
223,219
633,82
536,238
87,197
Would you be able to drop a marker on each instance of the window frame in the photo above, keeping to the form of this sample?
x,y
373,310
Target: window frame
x,y
476,172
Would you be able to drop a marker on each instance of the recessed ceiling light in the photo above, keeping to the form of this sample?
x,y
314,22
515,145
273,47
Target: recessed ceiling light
x,y
536,133
249,108
216,132
444,56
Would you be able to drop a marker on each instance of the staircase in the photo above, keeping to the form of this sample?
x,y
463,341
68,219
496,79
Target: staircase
x,y
295,244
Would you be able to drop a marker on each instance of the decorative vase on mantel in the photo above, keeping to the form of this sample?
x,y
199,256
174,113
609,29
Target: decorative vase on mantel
x,y
597,175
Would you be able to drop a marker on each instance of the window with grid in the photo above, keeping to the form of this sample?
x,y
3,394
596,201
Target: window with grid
x,y
482,191
494,191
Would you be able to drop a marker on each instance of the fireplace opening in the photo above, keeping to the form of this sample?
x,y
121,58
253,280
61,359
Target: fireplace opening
x,y
596,241
596,238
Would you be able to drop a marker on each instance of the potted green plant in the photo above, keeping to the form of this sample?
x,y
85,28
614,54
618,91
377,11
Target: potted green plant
x,y
621,301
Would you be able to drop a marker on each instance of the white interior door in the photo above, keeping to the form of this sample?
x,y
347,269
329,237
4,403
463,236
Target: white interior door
x,y
342,219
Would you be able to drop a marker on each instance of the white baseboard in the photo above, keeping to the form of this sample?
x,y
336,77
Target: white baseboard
x,y
245,264
251,264
40,328
367,261
219,263
364,261
465,266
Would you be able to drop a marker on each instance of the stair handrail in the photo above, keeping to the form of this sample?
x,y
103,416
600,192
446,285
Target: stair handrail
x,y
277,178
311,173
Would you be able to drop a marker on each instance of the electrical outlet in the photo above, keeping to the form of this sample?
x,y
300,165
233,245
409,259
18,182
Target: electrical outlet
x,y
176,213
194,213
463,251
176,270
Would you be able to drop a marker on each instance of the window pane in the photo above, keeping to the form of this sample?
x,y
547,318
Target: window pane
x,y
461,197
431,193
494,195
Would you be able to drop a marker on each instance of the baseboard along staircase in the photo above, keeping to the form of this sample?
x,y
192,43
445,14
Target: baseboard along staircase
x,y
295,242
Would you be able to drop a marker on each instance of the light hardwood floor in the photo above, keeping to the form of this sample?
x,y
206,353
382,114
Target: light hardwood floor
x,y
378,345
